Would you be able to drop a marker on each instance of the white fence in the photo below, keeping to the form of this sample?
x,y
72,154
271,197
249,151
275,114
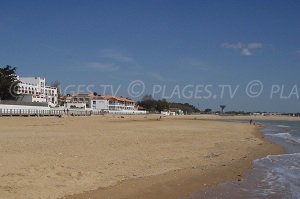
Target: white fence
x,y
128,112
29,112
6,109
20,110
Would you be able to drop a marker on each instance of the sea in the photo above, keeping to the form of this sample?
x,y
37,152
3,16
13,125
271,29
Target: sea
x,y
273,176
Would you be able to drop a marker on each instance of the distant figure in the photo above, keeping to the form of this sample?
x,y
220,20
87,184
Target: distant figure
x,y
251,121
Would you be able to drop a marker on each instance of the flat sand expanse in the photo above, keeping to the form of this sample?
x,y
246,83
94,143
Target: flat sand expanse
x,y
130,157
248,117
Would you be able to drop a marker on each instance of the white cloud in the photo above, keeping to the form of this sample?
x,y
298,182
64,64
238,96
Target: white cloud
x,y
106,67
255,45
157,76
246,52
232,45
245,49
115,55
110,60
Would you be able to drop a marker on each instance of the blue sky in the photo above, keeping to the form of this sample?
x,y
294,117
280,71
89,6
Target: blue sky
x,y
163,42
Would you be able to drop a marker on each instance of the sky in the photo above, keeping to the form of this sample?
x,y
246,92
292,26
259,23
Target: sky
x,y
243,54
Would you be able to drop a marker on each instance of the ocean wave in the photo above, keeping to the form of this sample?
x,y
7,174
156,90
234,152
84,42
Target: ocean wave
x,y
287,136
280,156
282,175
282,126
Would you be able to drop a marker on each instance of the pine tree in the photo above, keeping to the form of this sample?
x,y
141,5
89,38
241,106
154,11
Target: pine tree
x,y
8,83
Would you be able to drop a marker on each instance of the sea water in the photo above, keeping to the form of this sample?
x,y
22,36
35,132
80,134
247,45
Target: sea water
x,y
274,176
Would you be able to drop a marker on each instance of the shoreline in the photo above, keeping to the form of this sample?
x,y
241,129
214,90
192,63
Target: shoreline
x,y
181,183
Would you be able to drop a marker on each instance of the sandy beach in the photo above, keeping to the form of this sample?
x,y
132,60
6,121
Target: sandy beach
x,y
130,157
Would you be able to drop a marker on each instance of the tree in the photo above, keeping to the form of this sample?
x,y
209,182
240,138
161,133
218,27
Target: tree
x,y
8,83
162,105
147,97
149,105
185,107
222,108
208,110
56,84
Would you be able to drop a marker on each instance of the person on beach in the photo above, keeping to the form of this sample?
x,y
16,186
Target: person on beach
x,y
251,121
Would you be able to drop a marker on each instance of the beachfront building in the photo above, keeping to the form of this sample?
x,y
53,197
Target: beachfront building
x,y
100,103
172,112
34,89
110,104
176,111
80,98
120,103
76,101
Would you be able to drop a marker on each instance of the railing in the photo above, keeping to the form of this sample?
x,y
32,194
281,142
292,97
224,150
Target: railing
x,y
66,112
33,112
77,112
29,112
127,112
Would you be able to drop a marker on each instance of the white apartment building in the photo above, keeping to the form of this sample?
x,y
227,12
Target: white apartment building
x,y
120,103
37,89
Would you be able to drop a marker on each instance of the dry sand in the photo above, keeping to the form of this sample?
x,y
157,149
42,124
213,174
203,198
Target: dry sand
x,y
131,157
247,117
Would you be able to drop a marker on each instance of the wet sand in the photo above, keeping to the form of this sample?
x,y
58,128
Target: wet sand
x,y
131,157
